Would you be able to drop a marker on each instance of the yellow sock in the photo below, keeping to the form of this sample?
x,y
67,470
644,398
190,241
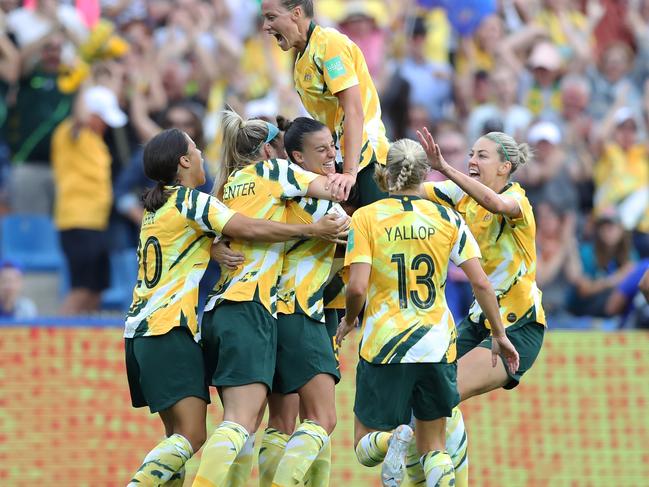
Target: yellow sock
x,y
163,462
177,479
302,448
319,473
272,449
413,466
219,453
438,468
457,444
242,467
372,448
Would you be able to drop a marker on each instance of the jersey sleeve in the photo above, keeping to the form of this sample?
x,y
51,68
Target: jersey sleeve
x,y
359,250
445,193
291,180
204,212
516,192
338,65
465,246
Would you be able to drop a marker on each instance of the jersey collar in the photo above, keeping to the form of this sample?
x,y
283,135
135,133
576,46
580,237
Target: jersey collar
x,y
404,197
312,27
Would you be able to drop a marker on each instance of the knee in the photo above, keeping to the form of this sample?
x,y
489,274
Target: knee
x,y
283,422
324,415
328,422
196,438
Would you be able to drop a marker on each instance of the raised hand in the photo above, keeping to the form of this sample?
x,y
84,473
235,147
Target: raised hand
x,y
435,158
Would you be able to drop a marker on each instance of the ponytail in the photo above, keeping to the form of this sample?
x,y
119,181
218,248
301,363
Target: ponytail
x,y
161,156
241,144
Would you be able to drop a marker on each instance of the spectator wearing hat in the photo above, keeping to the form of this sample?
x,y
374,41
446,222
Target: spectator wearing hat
x,y
549,178
621,174
12,304
567,28
541,74
361,22
82,174
541,84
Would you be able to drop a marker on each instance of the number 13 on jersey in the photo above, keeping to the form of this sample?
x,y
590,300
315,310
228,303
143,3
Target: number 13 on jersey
x,y
425,267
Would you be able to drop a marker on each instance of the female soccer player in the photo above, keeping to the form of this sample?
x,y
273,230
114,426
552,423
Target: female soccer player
x,y
500,216
177,231
335,86
407,352
239,325
306,362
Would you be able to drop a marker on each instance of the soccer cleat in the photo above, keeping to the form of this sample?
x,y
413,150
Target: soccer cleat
x,y
394,465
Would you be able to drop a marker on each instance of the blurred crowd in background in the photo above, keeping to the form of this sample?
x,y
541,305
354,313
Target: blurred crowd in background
x,y
84,84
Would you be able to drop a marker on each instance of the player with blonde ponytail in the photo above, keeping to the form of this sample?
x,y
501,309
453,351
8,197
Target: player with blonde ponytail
x,y
239,331
407,352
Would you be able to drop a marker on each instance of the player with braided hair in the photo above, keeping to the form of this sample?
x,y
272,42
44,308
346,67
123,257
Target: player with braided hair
x,y
408,345
500,215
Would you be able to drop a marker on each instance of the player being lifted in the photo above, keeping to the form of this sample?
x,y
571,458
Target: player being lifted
x,y
335,87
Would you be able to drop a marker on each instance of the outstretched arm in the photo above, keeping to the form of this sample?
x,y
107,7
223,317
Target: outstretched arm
x,y
329,227
485,196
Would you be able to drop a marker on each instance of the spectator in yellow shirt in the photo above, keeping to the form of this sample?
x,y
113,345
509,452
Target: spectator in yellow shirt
x,y
82,180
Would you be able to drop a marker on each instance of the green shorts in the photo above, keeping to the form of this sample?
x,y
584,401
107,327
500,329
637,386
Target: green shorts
x,y
239,344
164,369
303,351
366,191
331,322
525,335
387,395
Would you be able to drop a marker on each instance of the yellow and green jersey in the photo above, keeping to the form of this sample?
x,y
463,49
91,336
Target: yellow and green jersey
x,y
508,250
307,262
331,63
408,242
259,190
173,253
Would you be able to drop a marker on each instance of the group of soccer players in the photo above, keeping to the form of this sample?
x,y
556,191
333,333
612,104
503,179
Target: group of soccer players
x,y
266,326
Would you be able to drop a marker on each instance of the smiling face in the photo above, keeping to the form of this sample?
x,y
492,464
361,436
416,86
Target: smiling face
x,y
281,23
318,154
485,164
